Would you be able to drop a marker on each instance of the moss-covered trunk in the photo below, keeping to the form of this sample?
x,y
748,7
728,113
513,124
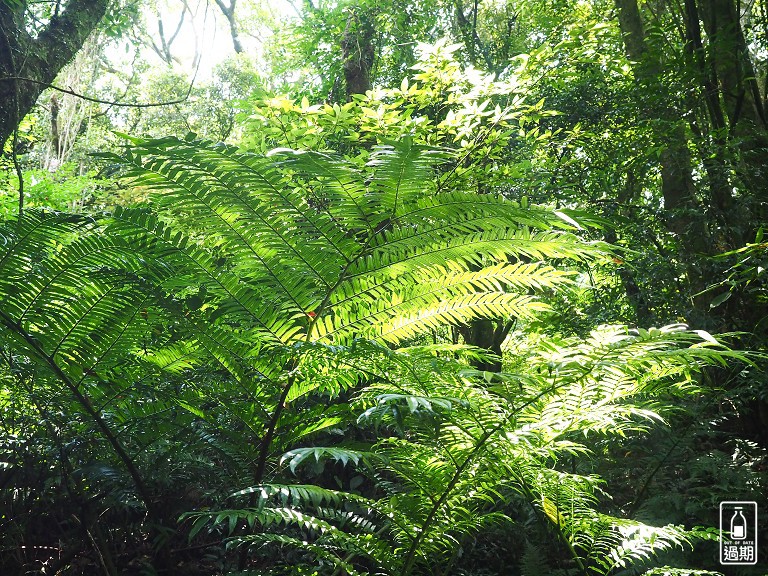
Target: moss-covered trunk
x,y
29,64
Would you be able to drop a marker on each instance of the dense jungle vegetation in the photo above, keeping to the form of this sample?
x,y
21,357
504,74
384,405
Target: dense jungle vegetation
x,y
392,288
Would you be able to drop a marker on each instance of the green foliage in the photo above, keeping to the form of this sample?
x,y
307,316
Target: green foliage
x,y
253,301
60,190
303,54
260,322
256,325
348,254
441,103
462,452
207,109
262,302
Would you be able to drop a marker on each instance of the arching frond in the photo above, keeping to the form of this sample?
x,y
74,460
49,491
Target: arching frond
x,y
335,253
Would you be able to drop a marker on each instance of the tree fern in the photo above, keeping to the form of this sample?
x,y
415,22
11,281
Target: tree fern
x,y
504,439
262,301
360,253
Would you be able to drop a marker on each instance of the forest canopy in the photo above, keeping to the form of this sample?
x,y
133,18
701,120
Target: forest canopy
x,y
360,288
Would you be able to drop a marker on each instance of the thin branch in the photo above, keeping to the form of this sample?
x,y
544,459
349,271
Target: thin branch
x,y
178,26
99,100
17,166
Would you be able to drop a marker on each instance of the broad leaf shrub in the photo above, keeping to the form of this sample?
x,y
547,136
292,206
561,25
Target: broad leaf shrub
x,y
259,316
491,122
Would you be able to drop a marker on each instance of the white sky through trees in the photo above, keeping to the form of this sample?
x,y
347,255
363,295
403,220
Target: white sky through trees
x,y
202,33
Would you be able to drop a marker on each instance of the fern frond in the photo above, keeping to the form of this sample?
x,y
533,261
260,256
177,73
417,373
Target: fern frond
x,y
296,456
305,235
402,171
82,291
632,542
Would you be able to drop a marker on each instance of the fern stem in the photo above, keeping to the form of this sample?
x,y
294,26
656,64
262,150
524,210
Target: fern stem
x,y
266,441
264,446
410,558
652,474
571,550
102,553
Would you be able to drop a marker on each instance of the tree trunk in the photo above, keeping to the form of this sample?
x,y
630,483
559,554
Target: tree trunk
x,y
685,216
488,334
28,65
732,63
55,136
358,52
737,83
229,14
733,142
472,42
677,184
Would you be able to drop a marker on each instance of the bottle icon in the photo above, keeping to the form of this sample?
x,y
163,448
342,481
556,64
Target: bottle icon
x,y
738,525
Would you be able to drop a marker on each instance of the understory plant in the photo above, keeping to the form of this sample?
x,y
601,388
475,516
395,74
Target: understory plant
x,y
265,313
462,452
